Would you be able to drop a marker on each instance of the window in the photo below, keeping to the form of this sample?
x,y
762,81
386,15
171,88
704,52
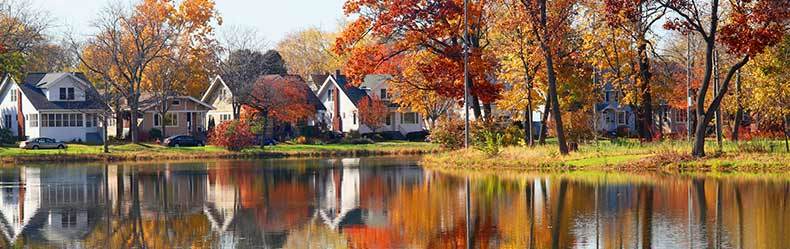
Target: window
x,y
176,102
410,118
171,119
390,118
621,118
90,120
609,117
329,95
56,120
32,120
66,93
354,120
7,122
224,117
13,95
606,96
384,93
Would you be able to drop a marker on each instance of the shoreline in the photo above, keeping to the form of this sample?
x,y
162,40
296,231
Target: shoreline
x,y
654,158
148,153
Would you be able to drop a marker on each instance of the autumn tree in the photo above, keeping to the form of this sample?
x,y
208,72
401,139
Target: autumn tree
x,y
519,64
372,112
410,88
130,41
22,29
549,21
240,70
309,51
387,30
749,27
282,98
765,87
636,19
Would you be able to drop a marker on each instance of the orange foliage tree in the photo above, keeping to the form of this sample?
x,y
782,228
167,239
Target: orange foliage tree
x,y
233,135
372,112
386,31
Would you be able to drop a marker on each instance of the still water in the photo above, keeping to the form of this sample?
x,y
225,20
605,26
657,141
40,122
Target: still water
x,y
384,202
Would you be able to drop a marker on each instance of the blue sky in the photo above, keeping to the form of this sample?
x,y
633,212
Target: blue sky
x,y
272,18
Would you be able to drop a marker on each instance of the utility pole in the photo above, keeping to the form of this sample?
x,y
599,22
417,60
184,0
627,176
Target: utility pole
x,y
688,86
466,73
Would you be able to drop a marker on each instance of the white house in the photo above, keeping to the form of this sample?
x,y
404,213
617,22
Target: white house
x,y
220,96
341,99
62,106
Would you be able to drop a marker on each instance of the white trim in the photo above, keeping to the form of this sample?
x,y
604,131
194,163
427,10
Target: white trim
x,y
211,87
340,90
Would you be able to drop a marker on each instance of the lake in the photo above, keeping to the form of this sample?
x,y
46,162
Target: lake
x,y
382,202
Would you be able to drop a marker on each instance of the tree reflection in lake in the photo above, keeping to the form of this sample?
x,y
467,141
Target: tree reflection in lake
x,y
380,203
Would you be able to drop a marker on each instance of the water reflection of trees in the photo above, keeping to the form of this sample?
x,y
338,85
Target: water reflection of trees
x,y
367,203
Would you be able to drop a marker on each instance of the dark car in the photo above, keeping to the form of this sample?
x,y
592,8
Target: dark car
x,y
182,141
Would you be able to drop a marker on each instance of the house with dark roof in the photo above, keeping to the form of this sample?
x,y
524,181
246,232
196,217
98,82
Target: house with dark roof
x,y
341,99
64,106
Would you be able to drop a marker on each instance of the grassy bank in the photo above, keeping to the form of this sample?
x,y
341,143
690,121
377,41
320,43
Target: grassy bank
x,y
147,152
757,156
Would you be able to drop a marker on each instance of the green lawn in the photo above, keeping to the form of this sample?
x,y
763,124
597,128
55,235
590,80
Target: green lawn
x,y
152,151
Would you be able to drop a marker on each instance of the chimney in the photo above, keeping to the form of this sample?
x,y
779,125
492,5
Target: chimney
x,y
337,74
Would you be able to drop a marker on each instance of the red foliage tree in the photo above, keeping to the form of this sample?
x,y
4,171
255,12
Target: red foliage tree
x,y
234,135
373,112
281,98
749,28
385,31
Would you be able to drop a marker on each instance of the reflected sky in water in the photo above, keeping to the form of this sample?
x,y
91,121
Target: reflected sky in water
x,y
384,202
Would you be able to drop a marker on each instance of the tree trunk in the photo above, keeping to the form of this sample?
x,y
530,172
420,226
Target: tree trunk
x,y
133,132
706,115
104,136
544,129
487,111
646,110
265,126
118,120
476,106
786,132
162,125
739,113
555,103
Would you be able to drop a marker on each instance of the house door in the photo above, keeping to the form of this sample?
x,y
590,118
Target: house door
x,y
189,123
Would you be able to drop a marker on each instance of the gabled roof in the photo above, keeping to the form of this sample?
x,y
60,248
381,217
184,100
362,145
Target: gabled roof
x,y
33,84
217,82
318,79
354,94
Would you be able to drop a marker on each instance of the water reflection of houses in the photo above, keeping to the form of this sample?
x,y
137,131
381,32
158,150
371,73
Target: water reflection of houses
x,y
56,205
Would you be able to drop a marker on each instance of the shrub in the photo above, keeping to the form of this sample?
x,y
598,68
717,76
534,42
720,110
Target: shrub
x,y
7,137
362,140
374,136
491,143
155,134
234,135
301,140
310,131
417,136
448,133
392,135
513,135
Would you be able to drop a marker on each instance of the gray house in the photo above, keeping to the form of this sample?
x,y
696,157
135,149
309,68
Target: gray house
x,y
611,116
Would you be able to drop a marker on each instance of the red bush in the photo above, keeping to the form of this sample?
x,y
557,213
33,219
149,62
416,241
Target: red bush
x,y
233,135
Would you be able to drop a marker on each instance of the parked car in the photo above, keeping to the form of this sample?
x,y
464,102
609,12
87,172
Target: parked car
x,y
182,140
42,143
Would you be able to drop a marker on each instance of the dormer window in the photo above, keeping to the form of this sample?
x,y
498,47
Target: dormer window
x,y
66,93
329,95
176,102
